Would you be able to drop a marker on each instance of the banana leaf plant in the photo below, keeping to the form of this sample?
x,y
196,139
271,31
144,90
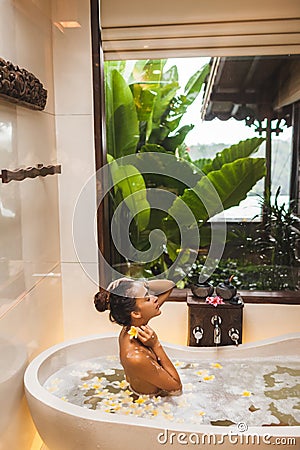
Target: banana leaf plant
x,y
143,115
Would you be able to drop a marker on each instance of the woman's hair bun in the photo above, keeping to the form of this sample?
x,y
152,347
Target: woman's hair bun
x,y
101,300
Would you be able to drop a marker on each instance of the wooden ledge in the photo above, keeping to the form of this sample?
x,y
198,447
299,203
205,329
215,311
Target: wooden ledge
x,y
263,297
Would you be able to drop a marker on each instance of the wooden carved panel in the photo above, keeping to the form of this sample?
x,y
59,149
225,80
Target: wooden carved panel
x,y
20,86
30,172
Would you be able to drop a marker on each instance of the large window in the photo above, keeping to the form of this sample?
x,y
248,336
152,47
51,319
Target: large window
x,y
230,117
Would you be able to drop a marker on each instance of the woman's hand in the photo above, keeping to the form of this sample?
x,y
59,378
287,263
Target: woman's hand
x,y
147,336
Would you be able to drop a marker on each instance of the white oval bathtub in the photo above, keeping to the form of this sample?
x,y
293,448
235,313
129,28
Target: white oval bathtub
x,y
64,426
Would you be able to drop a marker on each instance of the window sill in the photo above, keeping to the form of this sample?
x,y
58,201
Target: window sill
x,y
263,297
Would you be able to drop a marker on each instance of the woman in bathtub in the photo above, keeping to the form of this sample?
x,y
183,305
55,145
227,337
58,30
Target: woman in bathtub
x,y
147,368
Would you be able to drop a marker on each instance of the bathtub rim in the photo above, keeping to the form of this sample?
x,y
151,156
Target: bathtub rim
x,y
33,388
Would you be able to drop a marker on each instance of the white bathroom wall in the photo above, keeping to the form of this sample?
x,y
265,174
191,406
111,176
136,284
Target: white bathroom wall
x,y
33,324
30,220
72,57
265,321
30,276
260,321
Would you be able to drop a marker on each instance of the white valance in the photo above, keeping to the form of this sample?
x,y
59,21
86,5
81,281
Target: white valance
x,y
138,29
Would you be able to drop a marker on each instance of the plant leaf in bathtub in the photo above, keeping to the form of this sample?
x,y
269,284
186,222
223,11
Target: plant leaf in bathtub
x,y
133,332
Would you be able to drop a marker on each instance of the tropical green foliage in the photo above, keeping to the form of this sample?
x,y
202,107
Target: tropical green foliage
x,y
143,116
129,185
279,233
248,276
267,256
145,109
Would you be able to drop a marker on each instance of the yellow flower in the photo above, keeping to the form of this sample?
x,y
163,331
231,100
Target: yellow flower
x,y
128,392
148,407
126,400
84,386
123,384
117,408
208,377
246,394
133,406
101,393
52,389
168,416
201,372
200,413
133,332
154,412
180,420
178,363
140,401
216,366
64,399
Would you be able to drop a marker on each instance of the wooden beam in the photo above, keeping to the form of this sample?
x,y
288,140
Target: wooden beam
x,y
99,134
268,180
295,169
236,97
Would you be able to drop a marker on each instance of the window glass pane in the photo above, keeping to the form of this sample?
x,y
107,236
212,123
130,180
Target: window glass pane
x,y
207,138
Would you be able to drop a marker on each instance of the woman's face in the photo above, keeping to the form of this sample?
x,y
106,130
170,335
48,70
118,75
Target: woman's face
x,y
147,304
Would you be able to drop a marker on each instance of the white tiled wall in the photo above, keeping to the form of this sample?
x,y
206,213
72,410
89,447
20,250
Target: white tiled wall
x,y
33,324
33,211
75,148
72,65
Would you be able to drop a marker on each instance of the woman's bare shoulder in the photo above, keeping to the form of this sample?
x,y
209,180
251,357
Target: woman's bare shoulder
x,y
136,357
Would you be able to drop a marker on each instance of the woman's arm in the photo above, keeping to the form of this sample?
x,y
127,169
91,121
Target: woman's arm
x,y
162,373
114,284
161,288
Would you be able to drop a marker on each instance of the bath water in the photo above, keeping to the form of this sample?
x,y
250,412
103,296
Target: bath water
x,y
256,391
